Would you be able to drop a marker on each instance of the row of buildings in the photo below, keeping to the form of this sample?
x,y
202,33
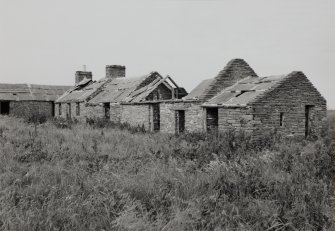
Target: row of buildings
x,y
236,98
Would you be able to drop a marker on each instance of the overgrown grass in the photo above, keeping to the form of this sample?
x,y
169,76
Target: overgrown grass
x,y
86,177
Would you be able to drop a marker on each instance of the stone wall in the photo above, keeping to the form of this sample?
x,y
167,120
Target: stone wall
x,y
137,115
236,118
290,98
85,111
26,108
194,116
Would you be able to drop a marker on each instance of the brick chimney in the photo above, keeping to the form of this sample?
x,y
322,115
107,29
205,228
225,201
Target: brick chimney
x,y
115,71
80,75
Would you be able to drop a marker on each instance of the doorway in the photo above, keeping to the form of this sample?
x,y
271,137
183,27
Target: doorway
x,y
107,109
68,114
156,117
4,107
212,119
180,121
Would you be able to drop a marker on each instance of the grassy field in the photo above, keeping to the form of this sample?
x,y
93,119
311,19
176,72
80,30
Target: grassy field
x,y
81,177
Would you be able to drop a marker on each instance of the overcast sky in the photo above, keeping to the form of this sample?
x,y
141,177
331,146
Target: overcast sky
x,y
45,42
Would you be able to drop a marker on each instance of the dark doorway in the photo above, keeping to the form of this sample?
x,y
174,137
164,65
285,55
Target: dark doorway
x,y
212,119
4,108
308,121
68,114
53,109
180,121
156,117
107,109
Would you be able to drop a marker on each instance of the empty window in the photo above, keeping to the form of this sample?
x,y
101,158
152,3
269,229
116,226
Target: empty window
x,y
180,121
4,108
77,109
107,108
281,119
60,109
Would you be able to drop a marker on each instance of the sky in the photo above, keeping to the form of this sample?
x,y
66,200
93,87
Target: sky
x,y
45,42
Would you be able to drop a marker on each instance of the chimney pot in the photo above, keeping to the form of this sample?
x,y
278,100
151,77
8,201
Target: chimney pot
x,y
115,71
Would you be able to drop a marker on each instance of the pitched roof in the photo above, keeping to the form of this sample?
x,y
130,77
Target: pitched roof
x,y
235,70
118,89
245,91
114,90
28,92
199,90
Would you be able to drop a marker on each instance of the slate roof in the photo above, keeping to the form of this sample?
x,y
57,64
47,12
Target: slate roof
x,y
81,92
118,89
245,91
114,90
29,92
199,90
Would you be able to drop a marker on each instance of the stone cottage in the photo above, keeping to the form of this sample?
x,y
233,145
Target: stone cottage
x,y
29,99
238,98
119,99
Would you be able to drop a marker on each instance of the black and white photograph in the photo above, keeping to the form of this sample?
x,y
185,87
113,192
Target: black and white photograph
x,y
167,115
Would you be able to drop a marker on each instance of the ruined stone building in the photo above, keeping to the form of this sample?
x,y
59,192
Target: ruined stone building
x,y
119,99
29,99
236,98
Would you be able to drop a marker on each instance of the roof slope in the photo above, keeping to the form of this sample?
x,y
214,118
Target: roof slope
x,y
113,90
234,71
246,91
119,89
28,92
83,91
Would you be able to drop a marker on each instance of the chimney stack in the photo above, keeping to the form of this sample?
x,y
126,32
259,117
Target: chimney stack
x,y
80,75
115,71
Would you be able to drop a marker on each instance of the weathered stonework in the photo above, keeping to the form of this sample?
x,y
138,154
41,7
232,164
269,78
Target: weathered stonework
x,y
28,108
194,116
291,98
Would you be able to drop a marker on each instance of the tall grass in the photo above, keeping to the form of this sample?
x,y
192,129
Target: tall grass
x,y
84,177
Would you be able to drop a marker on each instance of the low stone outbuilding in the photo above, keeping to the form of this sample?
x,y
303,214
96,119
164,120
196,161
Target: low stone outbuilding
x,y
29,99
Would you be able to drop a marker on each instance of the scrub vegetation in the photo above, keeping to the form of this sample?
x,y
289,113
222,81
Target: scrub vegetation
x,y
69,176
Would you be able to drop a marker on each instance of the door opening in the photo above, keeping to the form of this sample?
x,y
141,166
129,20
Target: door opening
x,y
156,117
212,119
68,114
107,108
180,121
4,107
